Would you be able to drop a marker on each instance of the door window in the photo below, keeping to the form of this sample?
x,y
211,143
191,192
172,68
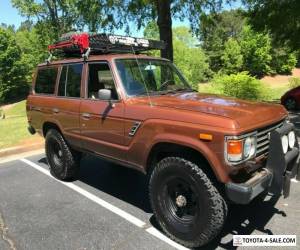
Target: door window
x,y
70,80
100,77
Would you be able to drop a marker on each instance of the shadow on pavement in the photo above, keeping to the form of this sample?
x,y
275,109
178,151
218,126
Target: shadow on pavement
x,y
131,186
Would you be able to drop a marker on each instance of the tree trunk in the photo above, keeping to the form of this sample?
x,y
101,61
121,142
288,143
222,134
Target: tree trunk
x,y
164,22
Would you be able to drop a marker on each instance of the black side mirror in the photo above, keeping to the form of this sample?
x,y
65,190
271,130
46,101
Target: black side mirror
x,y
104,94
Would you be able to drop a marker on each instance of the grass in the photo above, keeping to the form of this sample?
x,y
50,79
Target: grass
x,y
18,109
13,129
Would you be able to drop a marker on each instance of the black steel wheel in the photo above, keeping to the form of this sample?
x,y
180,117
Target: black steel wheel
x,y
290,104
63,161
186,204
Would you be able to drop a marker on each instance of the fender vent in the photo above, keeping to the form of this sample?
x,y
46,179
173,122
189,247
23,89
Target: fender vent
x,y
134,128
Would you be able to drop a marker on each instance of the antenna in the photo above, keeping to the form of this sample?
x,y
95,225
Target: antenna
x,y
138,64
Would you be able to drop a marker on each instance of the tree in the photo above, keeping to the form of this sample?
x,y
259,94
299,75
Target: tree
x,y
191,60
12,71
32,47
232,58
56,17
216,29
256,49
281,18
142,12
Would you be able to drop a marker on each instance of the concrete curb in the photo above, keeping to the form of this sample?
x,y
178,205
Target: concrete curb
x,y
21,149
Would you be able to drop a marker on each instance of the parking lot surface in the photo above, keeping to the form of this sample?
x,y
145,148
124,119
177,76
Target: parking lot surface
x,y
108,208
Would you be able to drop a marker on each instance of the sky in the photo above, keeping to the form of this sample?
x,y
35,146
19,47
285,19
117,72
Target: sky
x,y
10,16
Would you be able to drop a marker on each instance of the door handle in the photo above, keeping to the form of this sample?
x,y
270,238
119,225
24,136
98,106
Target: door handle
x,y
86,115
55,110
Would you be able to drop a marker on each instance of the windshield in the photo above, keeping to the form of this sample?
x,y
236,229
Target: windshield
x,y
140,76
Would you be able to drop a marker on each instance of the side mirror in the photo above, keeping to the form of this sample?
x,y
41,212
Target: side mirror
x,y
104,94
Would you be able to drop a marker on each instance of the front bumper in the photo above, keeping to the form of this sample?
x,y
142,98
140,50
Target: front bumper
x,y
275,177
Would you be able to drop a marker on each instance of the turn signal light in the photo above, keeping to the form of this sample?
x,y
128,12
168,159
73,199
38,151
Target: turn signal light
x,y
235,150
205,137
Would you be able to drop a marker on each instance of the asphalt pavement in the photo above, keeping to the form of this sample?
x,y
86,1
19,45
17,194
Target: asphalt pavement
x,y
108,208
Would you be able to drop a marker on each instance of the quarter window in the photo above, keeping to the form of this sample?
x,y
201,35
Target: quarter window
x,y
70,80
45,80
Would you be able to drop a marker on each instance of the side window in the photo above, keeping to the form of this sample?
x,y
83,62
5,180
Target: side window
x,y
70,80
45,80
100,77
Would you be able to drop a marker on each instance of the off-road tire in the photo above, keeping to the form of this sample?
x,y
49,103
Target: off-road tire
x,y
211,207
65,167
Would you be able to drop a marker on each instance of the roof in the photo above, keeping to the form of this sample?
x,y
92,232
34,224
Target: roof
x,y
103,57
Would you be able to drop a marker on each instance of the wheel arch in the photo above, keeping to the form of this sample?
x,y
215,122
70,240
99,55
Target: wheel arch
x,y
50,125
164,149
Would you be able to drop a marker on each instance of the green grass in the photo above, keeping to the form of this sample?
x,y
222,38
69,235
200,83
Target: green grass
x,y
13,129
17,110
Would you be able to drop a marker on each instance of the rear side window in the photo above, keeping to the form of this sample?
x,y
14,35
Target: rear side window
x,y
45,80
70,80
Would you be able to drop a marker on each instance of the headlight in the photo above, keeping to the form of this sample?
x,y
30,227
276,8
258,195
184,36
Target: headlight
x,y
249,147
292,139
285,143
239,150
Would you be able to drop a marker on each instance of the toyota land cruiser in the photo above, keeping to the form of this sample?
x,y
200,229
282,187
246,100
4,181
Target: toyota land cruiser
x,y
200,151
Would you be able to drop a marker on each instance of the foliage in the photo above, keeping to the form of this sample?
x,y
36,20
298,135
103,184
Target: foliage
x,y
240,85
232,58
281,18
33,48
190,60
256,48
283,60
294,82
13,73
216,29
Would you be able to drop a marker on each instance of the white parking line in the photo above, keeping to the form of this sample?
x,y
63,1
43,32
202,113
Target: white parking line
x,y
294,180
132,219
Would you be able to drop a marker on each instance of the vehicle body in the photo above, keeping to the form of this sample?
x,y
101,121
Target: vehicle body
x,y
193,146
291,99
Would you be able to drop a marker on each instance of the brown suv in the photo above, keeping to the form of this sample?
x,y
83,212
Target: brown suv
x,y
200,151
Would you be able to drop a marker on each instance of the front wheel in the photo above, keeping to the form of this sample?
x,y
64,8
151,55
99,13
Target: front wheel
x,y
63,161
186,204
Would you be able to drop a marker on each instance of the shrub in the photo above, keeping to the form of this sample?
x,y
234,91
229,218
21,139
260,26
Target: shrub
x,y
240,85
294,82
232,58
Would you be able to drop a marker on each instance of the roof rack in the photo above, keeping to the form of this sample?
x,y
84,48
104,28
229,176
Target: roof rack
x,y
73,44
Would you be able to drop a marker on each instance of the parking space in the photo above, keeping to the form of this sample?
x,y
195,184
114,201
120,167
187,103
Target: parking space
x,y
108,208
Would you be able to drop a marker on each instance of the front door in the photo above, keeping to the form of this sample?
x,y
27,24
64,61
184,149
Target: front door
x,y
102,122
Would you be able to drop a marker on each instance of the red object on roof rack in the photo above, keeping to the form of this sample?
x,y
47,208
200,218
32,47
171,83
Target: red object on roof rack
x,y
75,43
72,41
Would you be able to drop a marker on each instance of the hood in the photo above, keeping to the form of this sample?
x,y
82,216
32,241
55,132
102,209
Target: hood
x,y
245,113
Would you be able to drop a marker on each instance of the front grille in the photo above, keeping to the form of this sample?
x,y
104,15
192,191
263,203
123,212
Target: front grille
x,y
263,139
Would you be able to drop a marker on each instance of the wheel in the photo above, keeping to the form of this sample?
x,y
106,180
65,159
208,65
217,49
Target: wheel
x,y
186,204
63,161
290,104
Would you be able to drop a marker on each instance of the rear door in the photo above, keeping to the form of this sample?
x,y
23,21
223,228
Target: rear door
x,y
102,122
67,104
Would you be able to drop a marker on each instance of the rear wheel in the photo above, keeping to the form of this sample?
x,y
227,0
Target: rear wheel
x,y
290,104
186,204
63,161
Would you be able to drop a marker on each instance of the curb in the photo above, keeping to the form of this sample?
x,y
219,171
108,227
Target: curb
x,y
21,149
